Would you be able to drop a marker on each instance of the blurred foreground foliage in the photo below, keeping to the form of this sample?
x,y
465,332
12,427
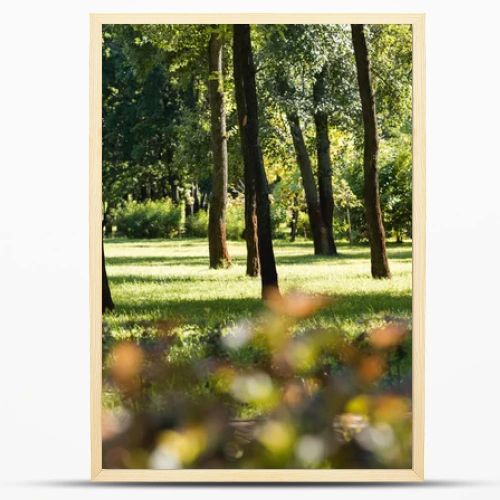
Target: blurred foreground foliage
x,y
260,394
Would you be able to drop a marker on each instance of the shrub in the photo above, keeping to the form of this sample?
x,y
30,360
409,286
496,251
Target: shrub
x,y
152,219
197,225
235,219
303,225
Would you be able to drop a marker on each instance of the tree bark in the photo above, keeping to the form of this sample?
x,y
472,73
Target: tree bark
x,y
217,245
379,263
324,163
107,301
269,275
196,199
349,226
318,228
251,236
295,219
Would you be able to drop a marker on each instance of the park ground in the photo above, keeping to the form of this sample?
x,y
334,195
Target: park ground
x,y
170,280
164,287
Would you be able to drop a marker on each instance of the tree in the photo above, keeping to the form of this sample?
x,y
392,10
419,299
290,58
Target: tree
x,y
157,141
318,228
379,262
217,245
396,186
243,60
346,200
323,158
251,237
301,86
107,300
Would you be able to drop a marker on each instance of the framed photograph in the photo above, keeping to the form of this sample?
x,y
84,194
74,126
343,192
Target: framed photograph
x,y
257,247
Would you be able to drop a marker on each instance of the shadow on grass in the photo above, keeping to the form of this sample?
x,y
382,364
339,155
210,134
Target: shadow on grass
x,y
158,242
200,312
154,279
157,260
204,312
346,254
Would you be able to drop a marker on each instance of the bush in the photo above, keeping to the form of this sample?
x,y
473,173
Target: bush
x,y
235,219
303,225
197,225
152,219
280,221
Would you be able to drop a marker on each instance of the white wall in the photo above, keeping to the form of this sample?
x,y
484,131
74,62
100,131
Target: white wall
x,y
44,336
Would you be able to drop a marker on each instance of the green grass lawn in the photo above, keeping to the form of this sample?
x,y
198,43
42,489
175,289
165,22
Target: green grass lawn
x,y
159,281
170,279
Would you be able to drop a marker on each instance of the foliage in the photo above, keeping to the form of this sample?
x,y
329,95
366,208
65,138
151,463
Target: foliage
x,y
396,186
197,225
199,339
152,219
156,133
235,219
391,50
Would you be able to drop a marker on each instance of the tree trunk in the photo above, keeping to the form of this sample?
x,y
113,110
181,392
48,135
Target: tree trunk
x,y
251,236
379,263
318,228
196,199
349,225
203,202
324,163
293,225
174,190
269,275
189,211
217,245
295,219
107,301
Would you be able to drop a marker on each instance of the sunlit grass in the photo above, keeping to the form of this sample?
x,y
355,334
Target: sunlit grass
x,y
170,279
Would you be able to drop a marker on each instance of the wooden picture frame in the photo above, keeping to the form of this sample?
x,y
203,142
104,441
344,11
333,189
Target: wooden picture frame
x,y
416,473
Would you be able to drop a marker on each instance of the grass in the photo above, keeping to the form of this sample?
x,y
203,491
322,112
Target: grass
x,y
170,279
164,280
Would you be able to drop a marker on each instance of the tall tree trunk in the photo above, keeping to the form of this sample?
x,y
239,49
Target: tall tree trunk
x,y
324,164
196,198
204,202
349,225
379,263
295,219
251,236
107,301
217,245
293,225
174,190
318,228
269,275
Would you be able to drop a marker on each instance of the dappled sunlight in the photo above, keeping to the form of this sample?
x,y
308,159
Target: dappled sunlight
x,y
199,296
179,282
